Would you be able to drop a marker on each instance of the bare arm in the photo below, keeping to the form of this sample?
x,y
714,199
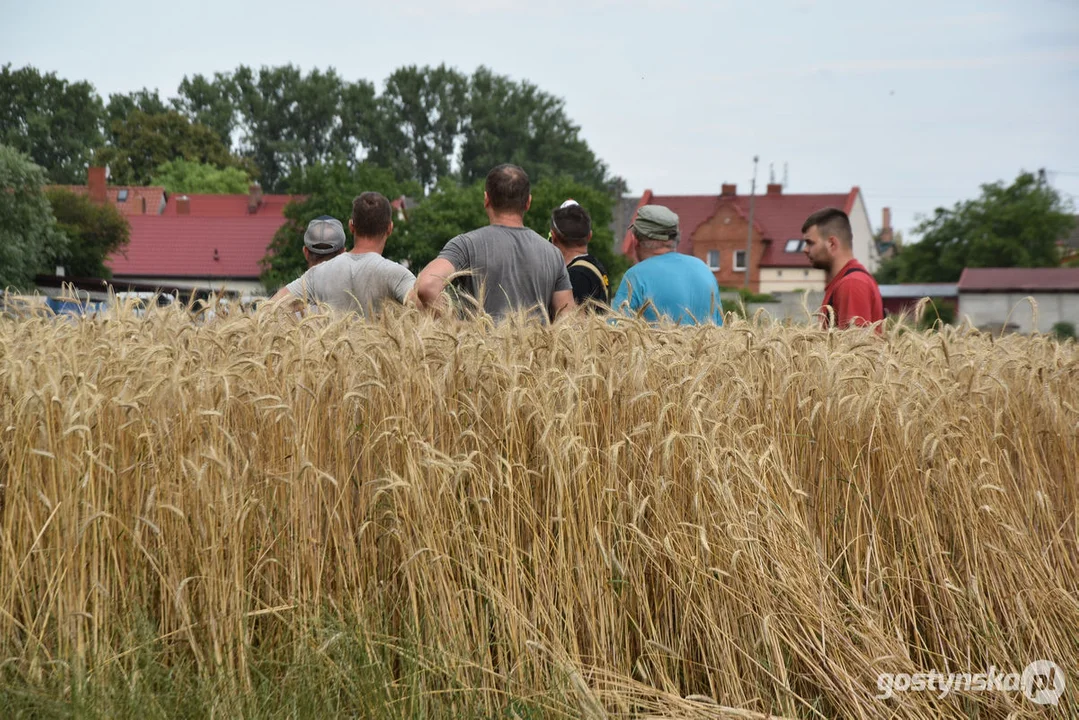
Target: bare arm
x,y
286,299
562,302
432,281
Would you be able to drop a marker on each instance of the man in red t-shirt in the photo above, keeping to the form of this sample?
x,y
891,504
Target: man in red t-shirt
x,y
851,296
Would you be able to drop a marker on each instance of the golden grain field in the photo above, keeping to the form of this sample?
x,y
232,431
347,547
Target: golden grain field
x,y
518,521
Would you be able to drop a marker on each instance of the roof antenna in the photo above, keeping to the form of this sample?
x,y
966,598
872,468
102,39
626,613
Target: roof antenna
x,y
784,175
771,173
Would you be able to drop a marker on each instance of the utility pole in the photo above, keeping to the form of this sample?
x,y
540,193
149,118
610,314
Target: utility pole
x,y
749,238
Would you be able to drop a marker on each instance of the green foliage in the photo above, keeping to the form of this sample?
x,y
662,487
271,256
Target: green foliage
x,y
327,190
55,122
421,113
182,176
1064,330
517,122
748,296
29,238
291,121
94,232
1008,226
122,105
141,143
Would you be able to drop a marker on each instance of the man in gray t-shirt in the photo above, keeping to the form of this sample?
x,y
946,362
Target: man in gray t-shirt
x,y
360,280
509,266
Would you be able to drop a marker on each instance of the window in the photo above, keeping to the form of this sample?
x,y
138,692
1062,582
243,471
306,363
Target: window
x,y
805,273
713,259
122,196
779,273
794,245
739,259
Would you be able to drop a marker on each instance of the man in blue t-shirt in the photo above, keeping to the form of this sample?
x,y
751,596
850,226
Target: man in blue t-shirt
x,y
666,282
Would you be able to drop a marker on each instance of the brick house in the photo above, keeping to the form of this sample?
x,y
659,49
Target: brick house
x,y
715,228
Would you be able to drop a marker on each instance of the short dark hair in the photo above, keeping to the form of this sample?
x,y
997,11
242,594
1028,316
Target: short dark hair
x,y
370,215
572,225
508,189
831,221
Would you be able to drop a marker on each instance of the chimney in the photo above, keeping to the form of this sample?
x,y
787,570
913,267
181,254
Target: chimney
x,y
886,234
775,189
254,198
183,205
729,190
95,180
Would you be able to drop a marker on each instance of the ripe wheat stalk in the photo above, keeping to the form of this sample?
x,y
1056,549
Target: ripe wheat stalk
x,y
697,522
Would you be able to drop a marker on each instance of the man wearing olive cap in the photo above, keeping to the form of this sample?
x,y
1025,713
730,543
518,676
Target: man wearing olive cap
x,y
667,283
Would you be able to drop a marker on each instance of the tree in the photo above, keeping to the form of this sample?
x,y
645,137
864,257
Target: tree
x,y
1016,225
94,232
182,176
29,238
211,103
519,123
291,121
421,111
58,124
120,106
142,142
325,190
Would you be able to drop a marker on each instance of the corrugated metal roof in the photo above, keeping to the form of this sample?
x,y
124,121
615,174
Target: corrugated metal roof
x,y
919,290
1019,280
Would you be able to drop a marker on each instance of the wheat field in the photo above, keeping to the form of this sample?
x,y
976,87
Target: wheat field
x,y
270,517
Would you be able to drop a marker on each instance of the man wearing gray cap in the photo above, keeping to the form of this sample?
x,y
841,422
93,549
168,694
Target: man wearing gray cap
x,y
667,283
360,280
324,240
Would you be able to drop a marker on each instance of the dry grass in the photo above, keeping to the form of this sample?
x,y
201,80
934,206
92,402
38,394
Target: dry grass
x,y
521,521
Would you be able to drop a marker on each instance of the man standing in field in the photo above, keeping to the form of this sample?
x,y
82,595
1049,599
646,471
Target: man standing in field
x,y
360,280
852,297
324,240
509,266
667,283
571,229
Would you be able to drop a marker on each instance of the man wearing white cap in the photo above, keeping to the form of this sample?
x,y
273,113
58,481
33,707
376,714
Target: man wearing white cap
x,y
360,280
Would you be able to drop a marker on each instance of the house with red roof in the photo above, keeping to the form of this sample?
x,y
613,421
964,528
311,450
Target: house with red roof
x,y
996,298
209,242
715,228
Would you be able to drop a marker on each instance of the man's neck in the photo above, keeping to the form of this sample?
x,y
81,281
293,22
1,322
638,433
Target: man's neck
x,y
506,219
361,245
838,262
569,253
655,253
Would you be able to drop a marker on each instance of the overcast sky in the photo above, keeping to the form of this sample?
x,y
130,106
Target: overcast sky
x,y
917,102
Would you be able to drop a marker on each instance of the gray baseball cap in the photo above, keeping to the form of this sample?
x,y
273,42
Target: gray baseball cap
x,y
324,235
656,222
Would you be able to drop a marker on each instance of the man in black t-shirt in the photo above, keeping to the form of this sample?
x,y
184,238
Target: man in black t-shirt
x,y
571,229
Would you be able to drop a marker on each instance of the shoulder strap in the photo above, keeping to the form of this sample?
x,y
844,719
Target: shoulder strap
x,y
579,262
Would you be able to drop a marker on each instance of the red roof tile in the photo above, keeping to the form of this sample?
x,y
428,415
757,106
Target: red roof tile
x,y
135,194
189,246
1019,280
230,205
777,218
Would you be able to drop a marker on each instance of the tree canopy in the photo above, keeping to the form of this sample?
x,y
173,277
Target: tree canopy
x,y
94,232
29,238
1016,225
182,176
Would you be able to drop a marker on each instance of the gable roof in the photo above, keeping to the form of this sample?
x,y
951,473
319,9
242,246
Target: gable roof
x,y
776,218
1019,280
188,246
